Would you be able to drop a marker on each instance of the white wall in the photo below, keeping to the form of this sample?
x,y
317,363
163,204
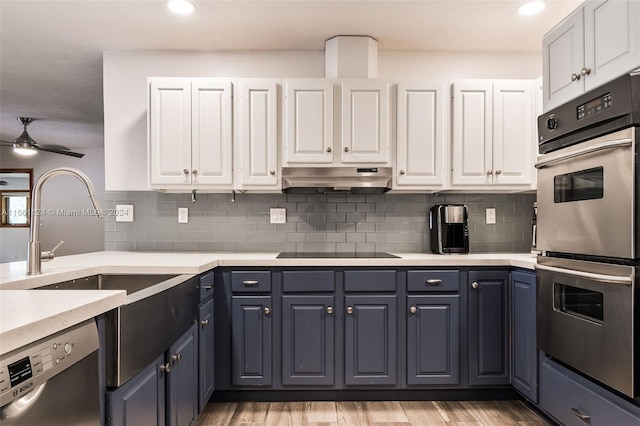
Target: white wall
x,y
125,87
81,234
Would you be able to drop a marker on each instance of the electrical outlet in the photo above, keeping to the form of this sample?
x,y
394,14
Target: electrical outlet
x,y
277,215
490,215
124,213
183,215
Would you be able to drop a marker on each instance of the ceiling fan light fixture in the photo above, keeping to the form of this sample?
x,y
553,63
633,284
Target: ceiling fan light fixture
x,y
181,7
27,150
531,8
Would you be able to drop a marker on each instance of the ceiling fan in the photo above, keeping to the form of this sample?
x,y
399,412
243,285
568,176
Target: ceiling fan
x,y
25,145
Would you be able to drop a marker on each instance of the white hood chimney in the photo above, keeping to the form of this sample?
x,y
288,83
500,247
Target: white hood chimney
x,y
351,56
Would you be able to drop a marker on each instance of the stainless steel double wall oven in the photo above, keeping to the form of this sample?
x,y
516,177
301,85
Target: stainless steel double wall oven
x,y
589,233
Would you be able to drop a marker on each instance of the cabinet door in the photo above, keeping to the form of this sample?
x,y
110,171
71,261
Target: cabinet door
x,y
421,133
140,401
371,342
472,135
251,340
212,146
308,121
169,132
307,340
433,332
488,328
524,353
514,132
562,60
365,122
205,353
258,134
612,40
182,400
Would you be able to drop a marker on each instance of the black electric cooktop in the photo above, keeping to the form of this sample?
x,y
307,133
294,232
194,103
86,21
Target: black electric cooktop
x,y
335,255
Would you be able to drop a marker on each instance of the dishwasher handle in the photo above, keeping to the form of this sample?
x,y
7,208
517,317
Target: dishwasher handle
x,y
21,405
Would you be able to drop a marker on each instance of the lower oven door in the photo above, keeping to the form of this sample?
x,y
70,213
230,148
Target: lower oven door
x,y
585,318
586,196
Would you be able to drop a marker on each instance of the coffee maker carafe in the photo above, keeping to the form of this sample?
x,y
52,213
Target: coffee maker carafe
x,y
448,225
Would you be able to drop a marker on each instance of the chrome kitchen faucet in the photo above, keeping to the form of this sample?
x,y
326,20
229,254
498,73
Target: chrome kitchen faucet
x,y
34,255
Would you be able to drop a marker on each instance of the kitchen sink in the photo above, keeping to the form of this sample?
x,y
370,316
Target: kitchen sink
x,y
159,308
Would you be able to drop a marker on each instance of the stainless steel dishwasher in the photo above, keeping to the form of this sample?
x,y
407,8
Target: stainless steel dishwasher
x,y
53,381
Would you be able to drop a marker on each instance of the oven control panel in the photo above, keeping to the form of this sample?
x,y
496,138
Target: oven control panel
x,y
24,369
594,106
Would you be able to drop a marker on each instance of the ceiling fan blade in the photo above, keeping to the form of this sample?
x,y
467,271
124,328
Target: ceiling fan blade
x,y
60,147
6,143
61,151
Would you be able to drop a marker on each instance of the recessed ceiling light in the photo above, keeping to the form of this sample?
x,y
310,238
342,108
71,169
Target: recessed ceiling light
x,y
181,7
531,8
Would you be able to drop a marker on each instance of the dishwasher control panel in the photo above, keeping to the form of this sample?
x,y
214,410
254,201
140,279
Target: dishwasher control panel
x,y
25,369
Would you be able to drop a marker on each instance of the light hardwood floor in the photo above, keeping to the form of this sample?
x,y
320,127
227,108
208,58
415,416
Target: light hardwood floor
x,y
378,413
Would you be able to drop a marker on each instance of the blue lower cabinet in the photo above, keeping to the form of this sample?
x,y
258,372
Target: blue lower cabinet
x,y
370,327
205,352
164,393
433,333
251,344
140,401
182,381
308,340
488,328
524,352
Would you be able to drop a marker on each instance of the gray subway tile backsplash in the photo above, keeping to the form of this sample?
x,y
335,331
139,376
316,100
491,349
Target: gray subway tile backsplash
x,y
319,222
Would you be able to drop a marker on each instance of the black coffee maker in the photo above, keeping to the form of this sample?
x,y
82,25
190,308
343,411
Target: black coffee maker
x,y
449,229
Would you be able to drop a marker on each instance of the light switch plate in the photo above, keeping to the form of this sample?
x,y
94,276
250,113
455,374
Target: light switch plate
x,y
183,215
490,216
124,213
277,215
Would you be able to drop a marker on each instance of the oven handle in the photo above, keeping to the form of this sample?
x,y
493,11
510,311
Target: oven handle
x,y
598,277
616,143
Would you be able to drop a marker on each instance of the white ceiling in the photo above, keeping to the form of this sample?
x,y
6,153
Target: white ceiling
x,y
51,51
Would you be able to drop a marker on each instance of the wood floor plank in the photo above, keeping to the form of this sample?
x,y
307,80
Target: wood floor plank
x,y
385,412
250,412
422,413
217,414
502,412
454,411
284,413
352,413
320,412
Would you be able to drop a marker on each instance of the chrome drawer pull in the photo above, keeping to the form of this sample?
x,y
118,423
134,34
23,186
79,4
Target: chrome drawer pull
x,y
433,281
250,282
582,417
207,287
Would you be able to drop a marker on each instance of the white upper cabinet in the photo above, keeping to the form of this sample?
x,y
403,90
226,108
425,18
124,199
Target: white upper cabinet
x,y
189,134
308,122
365,122
336,123
494,134
421,137
257,134
595,44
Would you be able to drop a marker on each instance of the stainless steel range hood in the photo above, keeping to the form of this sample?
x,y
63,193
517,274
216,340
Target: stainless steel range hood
x,y
357,180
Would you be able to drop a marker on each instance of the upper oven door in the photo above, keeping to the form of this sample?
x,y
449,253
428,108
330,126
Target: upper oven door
x,y
586,197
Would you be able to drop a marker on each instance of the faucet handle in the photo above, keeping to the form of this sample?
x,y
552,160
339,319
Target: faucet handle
x,y
49,255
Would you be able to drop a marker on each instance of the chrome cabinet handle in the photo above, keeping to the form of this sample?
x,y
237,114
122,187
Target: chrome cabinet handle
x,y
186,172
433,281
176,358
346,149
585,71
475,285
207,287
165,368
575,77
401,172
328,149
329,310
581,416
195,172
349,310
489,172
204,323
250,282
272,172
498,172
413,309
266,311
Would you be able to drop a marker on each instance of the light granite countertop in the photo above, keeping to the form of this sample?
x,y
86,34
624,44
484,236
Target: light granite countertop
x,y
27,315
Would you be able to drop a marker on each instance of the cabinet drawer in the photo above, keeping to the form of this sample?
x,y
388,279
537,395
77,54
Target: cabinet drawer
x,y
308,281
433,281
370,280
567,396
250,281
205,285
